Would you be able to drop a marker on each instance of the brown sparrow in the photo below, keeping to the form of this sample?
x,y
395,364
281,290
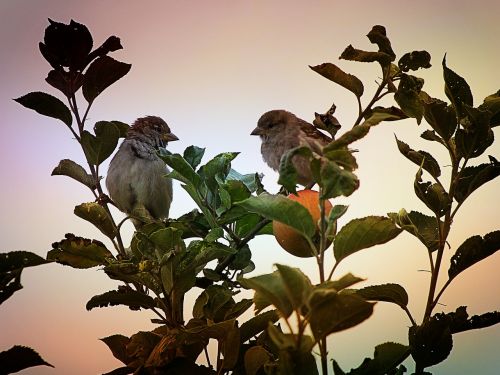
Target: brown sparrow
x,y
281,131
136,181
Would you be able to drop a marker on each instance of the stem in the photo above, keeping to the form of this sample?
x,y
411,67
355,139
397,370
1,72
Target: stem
x,y
448,282
324,354
332,271
207,357
375,98
405,308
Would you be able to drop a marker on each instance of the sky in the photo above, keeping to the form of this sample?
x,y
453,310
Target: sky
x,y
210,69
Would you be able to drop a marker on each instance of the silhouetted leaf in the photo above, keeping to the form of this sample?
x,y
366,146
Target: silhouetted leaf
x,y
457,90
335,74
17,260
473,250
424,227
255,358
393,293
433,195
287,172
362,233
257,324
19,358
353,54
66,82
193,155
130,298
94,213
71,169
441,117
471,178
100,147
118,346
459,320
102,73
408,98
280,208
476,136
414,61
79,252
492,104
378,36
46,105
378,114
420,158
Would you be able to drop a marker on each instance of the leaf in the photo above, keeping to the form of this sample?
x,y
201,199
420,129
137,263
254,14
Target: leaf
x,y
393,293
430,343
473,250
332,312
344,282
257,324
457,90
296,283
343,158
337,75
378,36
193,155
118,346
17,260
10,282
420,158
255,358
183,171
231,348
100,147
19,358
94,213
280,208
353,54
459,320
71,169
424,227
46,105
408,98
433,195
348,137
378,114
102,73
476,135
414,61
472,178
217,168
336,181
269,289
79,252
287,171
362,233
128,297
441,117
492,104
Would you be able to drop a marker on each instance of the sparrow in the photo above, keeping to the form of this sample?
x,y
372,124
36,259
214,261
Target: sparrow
x,y
136,180
281,131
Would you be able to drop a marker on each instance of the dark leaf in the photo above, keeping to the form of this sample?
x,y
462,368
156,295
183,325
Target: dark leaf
x,y
287,171
66,82
19,358
414,61
100,147
457,90
473,250
110,45
459,320
393,293
128,297
79,252
353,54
255,358
408,98
344,282
362,233
46,105
102,73
424,227
96,214
441,117
257,324
337,75
492,104
336,181
121,371
348,137
421,158
433,195
297,285
476,135
378,36
343,157
327,122
118,346
17,260
472,178
71,169
193,155
10,282
378,114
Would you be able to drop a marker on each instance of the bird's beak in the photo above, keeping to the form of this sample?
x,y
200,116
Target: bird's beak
x,y
170,137
256,131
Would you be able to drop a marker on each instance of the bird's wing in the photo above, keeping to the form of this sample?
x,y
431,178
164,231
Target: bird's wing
x,y
314,139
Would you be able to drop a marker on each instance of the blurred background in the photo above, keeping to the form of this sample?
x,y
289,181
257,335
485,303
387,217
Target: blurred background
x,y
210,69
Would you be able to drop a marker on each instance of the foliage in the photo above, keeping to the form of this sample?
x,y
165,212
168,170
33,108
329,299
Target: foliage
x,y
209,247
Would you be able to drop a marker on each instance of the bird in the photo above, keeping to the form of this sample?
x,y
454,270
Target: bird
x,y
136,179
281,131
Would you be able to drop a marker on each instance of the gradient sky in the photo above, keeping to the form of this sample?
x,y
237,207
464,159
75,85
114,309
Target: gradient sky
x,y
210,69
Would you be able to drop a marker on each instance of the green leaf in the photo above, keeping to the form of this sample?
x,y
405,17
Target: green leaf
x,y
238,309
193,155
71,169
287,171
269,289
46,105
166,239
102,73
118,346
420,158
17,260
280,208
353,54
433,195
79,252
414,61
131,298
19,358
408,98
335,74
430,343
472,178
332,312
184,171
393,293
362,233
473,250
441,117
217,169
121,126
331,223
257,324
96,214
344,158
457,90
297,285
344,282
336,181
348,137
424,227
100,147
378,114
255,358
